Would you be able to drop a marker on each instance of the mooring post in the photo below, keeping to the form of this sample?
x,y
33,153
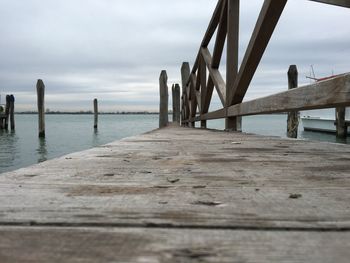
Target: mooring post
x,y
7,111
185,75
12,112
163,105
176,103
95,113
40,89
341,127
293,116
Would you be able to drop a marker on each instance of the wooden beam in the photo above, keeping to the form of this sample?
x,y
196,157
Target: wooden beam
x,y
199,99
233,123
220,38
203,82
213,24
326,94
267,21
218,114
215,76
207,100
232,45
342,3
193,105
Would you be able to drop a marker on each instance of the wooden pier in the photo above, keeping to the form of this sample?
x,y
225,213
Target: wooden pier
x,y
180,195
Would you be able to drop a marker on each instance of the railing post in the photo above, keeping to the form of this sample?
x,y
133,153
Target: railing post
x,y
341,127
176,103
185,75
40,89
12,112
293,116
232,123
95,113
163,105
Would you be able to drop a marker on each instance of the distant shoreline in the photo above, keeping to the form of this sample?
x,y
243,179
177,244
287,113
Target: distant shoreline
x,y
90,113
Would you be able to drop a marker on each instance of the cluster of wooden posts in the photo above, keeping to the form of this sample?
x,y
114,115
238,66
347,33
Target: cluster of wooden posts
x,y
8,116
198,84
164,97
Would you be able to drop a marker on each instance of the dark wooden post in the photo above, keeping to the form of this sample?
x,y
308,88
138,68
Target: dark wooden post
x,y
341,127
293,116
163,105
95,113
7,111
40,89
185,75
176,103
12,112
232,123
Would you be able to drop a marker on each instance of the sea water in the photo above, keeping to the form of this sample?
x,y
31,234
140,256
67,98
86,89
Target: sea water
x,y
71,133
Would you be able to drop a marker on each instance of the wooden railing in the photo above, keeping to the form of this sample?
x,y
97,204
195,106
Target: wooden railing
x,y
198,85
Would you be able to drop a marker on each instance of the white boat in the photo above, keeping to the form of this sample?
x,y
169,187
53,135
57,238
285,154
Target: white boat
x,y
321,120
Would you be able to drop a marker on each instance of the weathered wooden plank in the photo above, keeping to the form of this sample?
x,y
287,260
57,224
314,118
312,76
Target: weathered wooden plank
x,y
171,178
342,3
267,21
93,245
326,94
215,75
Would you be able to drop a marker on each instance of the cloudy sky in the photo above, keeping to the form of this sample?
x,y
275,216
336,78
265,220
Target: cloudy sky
x,y
114,50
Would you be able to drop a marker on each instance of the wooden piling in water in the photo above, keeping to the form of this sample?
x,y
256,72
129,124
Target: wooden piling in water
x,y
163,105
176,103
7,111
12,112
40,88
95,113
293,116
341,127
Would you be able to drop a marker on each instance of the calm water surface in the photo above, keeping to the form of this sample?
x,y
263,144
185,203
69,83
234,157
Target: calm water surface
x,y
70,133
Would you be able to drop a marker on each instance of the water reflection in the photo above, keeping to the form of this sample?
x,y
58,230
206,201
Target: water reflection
x,y
95,138
9,148
42,150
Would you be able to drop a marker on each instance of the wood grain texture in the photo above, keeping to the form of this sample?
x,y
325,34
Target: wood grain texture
x,y
132,182
93,245
325,94
181,195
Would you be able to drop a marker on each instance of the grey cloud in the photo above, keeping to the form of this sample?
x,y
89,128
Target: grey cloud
x,y
116,49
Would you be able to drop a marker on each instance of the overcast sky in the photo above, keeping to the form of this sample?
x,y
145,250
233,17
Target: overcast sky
x,y
114,50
